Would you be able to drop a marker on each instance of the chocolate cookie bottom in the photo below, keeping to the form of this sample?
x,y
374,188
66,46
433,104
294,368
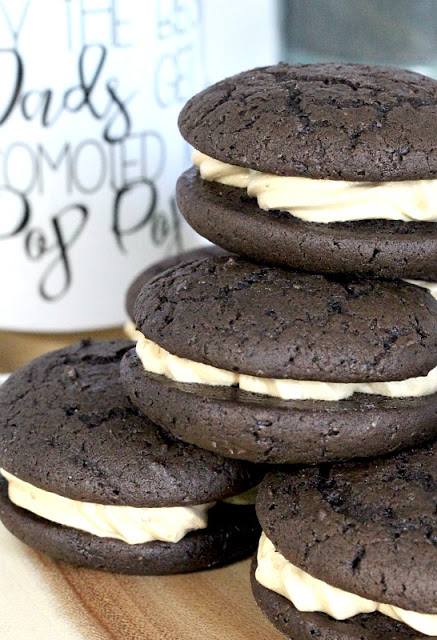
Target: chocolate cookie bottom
x,y
298,625
258,428
383,248
232,534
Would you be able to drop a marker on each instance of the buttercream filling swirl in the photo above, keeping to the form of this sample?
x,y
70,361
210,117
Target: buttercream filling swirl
x,y
310,594
133,525
320,200
155,359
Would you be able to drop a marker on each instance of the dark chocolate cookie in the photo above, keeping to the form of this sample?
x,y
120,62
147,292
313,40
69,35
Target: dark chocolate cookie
x,y
383,248
368,528
69,428
158,267
338,121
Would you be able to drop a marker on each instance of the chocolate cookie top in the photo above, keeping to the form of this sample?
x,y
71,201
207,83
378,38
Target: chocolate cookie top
x,y
339,121
369,528
158,267
271,322
68,427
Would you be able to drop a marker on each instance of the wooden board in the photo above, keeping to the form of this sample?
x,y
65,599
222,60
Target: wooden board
x,y
18,348
43,599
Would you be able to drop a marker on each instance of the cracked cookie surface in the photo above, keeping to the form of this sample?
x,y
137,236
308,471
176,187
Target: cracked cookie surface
x,y
338,121
168,263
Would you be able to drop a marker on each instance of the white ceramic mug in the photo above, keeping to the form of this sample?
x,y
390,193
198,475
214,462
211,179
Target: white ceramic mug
x,y
89,153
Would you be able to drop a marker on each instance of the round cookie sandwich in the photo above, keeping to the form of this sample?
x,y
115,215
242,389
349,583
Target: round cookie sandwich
x,y
349,551
156,269
87,479
269,365
323,167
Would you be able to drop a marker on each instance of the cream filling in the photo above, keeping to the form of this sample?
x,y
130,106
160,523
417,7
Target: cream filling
x,y
316,200
243,499
130,331
133,525
310,594
308,197
431,286
155,359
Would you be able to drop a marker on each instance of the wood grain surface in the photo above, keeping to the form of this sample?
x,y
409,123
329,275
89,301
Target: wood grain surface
x,y
18,348
42,599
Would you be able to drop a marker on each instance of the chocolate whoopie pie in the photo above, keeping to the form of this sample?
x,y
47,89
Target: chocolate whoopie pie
x,y
87,479
349,551
270,365
322,167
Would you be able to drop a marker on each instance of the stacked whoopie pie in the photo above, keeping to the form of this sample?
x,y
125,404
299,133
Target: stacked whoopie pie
x,y
86,478
317,344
